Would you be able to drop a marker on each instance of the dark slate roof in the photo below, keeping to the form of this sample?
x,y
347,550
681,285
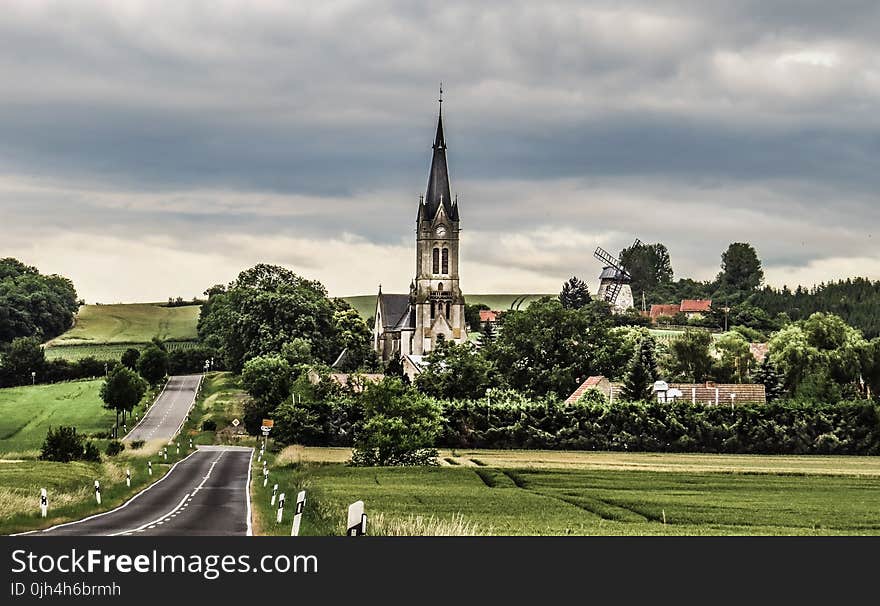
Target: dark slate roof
x,y
438,181
611,273
393,309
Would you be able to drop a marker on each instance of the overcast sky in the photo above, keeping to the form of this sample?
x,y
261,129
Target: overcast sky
x,y
152,149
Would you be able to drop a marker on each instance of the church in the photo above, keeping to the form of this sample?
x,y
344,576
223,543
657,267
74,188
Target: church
x,y
412,324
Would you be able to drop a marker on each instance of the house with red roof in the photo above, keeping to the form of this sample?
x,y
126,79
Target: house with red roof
x,y
692,308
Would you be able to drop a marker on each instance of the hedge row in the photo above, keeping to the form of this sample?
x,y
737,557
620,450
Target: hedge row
x,y
851,428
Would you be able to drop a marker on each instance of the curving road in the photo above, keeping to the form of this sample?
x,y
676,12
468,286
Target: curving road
x,y
207,493
169,411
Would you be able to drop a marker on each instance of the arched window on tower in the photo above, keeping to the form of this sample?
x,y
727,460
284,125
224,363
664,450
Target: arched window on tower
x,y
436,261
445,260
433,310
440,286
447,310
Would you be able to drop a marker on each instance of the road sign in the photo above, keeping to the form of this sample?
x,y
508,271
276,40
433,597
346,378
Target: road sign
x,y
265,430
268,423
235,422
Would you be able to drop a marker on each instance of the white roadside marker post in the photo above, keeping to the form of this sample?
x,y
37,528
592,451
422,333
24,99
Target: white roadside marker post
x,y
190,443
298,512
178,448
98,492
150,467
165,453
128,478
44,502
265,477
280,507
357,520
274,492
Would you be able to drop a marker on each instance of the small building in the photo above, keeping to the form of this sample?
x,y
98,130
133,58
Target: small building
x,y
355,381
708,393
691,308
489,316
413,365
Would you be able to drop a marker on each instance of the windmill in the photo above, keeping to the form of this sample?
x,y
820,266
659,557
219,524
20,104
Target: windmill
x,y
614,280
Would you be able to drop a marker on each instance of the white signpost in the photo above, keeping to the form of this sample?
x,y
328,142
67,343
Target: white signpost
x,y
98,492
357,520
150,467
235,422
298,512
44,502
274,493
280,507
128,478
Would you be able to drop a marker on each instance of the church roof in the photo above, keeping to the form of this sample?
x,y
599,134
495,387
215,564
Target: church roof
x,y
438,191
394,308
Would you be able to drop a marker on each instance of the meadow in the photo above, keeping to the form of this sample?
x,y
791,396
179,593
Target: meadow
x,y
27,413
130,323
541,493
112,351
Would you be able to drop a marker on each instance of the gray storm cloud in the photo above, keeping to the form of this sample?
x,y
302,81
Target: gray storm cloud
x,y
140,137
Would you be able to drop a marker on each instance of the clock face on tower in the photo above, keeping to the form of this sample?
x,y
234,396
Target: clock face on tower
x,y
440,231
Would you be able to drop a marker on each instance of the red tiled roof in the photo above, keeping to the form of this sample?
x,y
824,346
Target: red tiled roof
x,y
488,315
663,310
696,305
590,383
759,350
704,393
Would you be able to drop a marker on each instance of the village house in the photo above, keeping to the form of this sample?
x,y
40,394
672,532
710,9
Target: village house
x,y
708,393
691,308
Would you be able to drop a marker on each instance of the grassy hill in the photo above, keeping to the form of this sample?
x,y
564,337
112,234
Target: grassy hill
x,y
366,304
26,413
130,323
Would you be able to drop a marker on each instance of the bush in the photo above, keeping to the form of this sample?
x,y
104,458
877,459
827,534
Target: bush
x,y
114,448
65,444
209,425
136,444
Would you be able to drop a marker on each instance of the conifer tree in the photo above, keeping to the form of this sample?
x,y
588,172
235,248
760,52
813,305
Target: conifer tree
x,y
768,375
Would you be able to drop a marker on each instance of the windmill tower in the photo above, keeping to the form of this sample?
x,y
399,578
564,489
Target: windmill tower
x,y
614,280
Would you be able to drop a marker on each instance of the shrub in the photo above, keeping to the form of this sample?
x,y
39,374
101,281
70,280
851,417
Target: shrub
x,y
209,425
65,444
136,444
114,448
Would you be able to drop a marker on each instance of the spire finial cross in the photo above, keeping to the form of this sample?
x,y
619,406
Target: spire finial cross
x,y
441,94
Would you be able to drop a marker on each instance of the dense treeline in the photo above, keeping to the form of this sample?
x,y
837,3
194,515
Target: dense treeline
x,y
856,300
32,304
779,428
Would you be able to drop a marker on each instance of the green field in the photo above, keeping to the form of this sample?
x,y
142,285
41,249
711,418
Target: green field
x,y
130,323
603,493
26,413
106,352
366,304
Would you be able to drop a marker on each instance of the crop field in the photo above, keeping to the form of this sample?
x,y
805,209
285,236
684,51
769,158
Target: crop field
x,y
559,493
26,413
366,304
130,323
105,352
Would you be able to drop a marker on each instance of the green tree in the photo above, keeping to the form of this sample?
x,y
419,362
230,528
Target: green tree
x,y
32,304
650,268
548,349
456,372
64,444
355,337
821,346
689,358
575,293
23,356
122,390
267,379
153,364
264,308
400,426
740,269
767,375
735,359
641,374
130,358
488,335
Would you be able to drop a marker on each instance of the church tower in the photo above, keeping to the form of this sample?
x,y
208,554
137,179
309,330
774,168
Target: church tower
x,y
439,303
412,324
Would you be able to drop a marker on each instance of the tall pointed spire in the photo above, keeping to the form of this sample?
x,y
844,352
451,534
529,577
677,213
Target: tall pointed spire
x,y
438,179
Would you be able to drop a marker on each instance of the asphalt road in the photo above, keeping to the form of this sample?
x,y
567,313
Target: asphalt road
x,y
168,412
207,494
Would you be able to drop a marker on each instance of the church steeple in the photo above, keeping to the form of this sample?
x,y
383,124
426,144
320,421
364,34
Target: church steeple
x,y
438,191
